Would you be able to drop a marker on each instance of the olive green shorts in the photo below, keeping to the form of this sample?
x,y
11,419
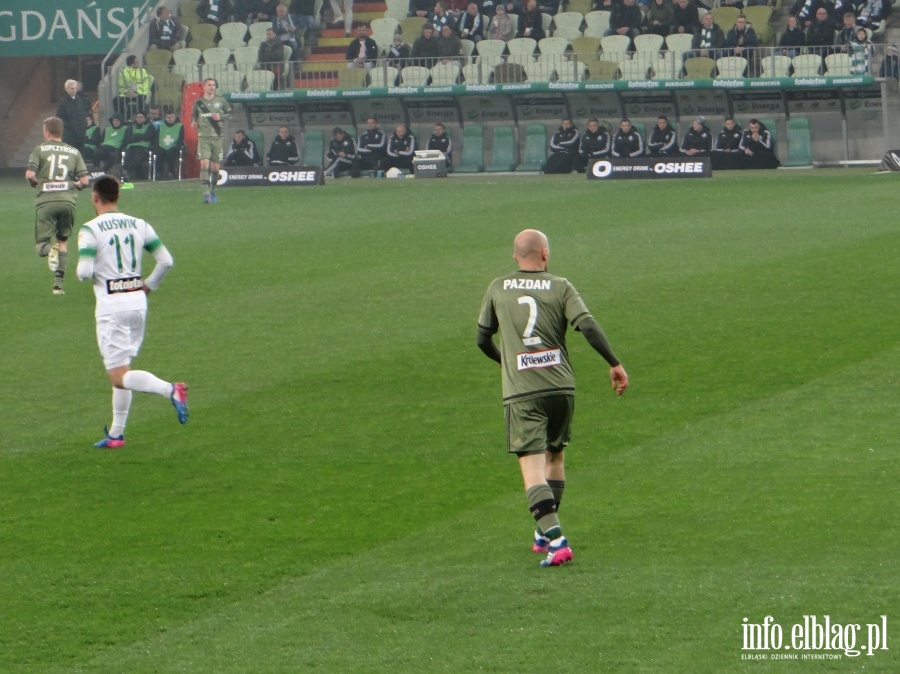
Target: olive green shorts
x,y
210,148
53,219
540,424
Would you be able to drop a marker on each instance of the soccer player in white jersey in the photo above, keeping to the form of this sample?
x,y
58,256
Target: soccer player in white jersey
x,y
110,248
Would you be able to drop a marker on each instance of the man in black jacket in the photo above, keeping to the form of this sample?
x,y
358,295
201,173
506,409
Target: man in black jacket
x,y
363,51
626,19
371,149
563,148
341,154
594,145
627,142
283,151
663,140
400,150
698,139
242,151
73,110
441,141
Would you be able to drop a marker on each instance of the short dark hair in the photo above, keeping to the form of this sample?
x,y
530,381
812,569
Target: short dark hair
x,y
663,117
54,126
130,60
107,189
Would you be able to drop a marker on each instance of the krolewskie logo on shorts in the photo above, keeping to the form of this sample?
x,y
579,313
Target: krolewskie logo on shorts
x,y
548,358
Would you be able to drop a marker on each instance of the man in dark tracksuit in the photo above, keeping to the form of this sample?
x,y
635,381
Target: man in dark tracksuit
x,y
341,154
283,150
594,145
370,149
400,150
441,141
563,148
627,142
698,139
662,141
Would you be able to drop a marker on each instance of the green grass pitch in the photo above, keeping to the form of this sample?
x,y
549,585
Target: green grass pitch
x,y
341,502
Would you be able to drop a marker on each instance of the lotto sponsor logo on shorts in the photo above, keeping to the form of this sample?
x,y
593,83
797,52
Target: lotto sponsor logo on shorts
x,y
124,285
548,358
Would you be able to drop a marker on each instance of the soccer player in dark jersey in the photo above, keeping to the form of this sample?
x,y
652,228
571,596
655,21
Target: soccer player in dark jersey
x,y
57,170
532,310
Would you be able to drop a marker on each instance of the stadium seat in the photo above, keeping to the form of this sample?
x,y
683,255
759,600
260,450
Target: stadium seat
x,y
260,141
245,60
169,88
553,45
585,48
468,48
313,147
490,48
679,43
260,80
414,76
411,28
503,153
580,6
187,8
597,21
663,67
634,70
699,68
535,149
396,9
731,67
772,126
230,81
615,43
474,73
444,74
837,65
509,73
806,65
648,43
725,17
352,78
204,33
383,76
799,143
573,71
540,71
602,70
472,160
157,57
759,16
384,27
775,65
569,23
258,30
236,31
521,50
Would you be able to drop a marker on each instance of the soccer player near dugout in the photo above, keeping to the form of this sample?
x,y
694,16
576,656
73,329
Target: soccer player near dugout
x,y
58,171
110,251
531,308
209,111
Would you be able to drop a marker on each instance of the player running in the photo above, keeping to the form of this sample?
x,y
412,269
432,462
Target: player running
x,y
531,309
209,111
110,250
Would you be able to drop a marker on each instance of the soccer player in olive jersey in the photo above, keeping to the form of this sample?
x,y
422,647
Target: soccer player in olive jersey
x,y
110,251
532,310
209,111
57,170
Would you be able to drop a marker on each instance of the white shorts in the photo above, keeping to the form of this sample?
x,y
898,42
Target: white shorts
x,y
119,337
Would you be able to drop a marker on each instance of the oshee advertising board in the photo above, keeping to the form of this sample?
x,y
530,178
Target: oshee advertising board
x,y
267,176
650,168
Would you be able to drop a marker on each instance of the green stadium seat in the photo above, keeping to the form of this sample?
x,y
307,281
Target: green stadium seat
x,y
472,150
503,154
799,143
772,126
260,141
535,149
313,147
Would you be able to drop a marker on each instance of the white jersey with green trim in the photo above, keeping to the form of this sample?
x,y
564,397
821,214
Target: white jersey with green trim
x,y
116,243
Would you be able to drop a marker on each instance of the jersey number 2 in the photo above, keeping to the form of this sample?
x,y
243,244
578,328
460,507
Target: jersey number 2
x,y
527,338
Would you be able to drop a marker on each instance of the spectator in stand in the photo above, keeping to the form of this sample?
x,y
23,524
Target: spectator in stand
x,y
861,52
742,40
169,145
370,150
603,5
303,13
685,17
341,155
626,19
165,31
449,46
531,23
153,116
663,139
109,153
139,138
659,18
92,140
471,24
594,145
729,138
363,51
793,39
708,41
737,4
73,109
425,48
398,54
563,148
805,11
242,151
697,142
270,54
873,13
134,87
283,151
820,34
440,140
756,145
627,142
260,11
847,34
550,7
422,8
215,12
401,149
286,31
501,26
440,18
342,11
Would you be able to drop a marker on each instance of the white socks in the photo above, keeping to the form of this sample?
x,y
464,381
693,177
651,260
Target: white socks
x,y
145,382
121,402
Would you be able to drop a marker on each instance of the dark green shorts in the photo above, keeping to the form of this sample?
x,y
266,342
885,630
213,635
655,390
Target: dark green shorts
x,y
540,424
210,148
53,219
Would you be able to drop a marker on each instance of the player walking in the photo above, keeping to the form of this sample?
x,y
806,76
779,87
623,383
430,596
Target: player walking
x,y
57,170
209,111
110,250
531,308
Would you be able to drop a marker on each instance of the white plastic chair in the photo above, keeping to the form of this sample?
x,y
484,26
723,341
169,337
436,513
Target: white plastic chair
x,y
837,65
615,43
731,67
633,70
383,76
573,71
553,45
258,30
260,80
807,65
444,74
414,76
775,65
233,31
539,71
648,42
597,20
